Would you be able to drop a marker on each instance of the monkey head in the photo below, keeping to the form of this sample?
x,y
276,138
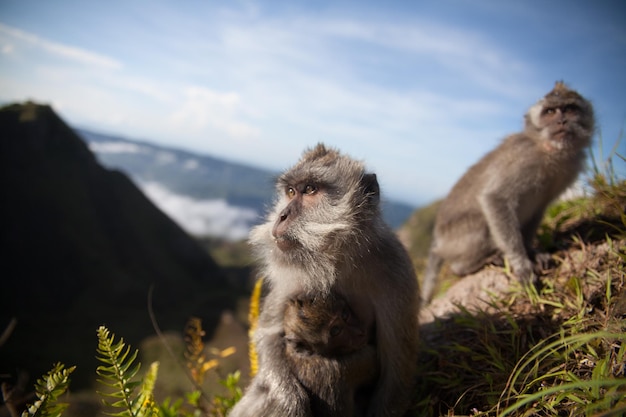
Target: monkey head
x,y
325,205
326,326
562,119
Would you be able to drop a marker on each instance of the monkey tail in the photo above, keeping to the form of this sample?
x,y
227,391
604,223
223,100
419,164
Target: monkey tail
x,y
253,318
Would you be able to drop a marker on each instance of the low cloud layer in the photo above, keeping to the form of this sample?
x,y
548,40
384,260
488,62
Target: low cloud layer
x,y
202,217
115,147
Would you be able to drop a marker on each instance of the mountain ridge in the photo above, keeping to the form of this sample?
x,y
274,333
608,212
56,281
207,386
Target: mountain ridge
x,y
82,246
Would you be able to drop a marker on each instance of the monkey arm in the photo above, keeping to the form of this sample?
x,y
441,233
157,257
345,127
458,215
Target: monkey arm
x,y
430,276
504,227
530,229
396,305
275,390
333,381
360,367
397,355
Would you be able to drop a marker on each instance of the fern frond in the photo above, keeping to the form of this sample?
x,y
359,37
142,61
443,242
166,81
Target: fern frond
x,y
48,389
118,373
146,398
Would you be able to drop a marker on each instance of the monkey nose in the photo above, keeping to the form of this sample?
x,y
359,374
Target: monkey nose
x,y
284,214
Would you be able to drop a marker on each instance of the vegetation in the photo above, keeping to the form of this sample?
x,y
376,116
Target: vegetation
x,y
555,349
125,394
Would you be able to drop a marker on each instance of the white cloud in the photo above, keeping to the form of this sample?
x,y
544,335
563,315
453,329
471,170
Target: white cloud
x,y
66,51
413,94
165,158
7,48
202,217
191,164
115,147
204,108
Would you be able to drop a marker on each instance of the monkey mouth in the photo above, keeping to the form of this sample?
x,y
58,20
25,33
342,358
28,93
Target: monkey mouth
x,y
285,243
560,134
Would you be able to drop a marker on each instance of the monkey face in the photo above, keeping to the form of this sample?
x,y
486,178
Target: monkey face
x,y
560,120
563,118
346,334
298,198
323,325
323,201
325,214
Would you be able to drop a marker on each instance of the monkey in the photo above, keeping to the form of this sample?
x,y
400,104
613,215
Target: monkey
x,y
326,234
495,209
323,325
327,348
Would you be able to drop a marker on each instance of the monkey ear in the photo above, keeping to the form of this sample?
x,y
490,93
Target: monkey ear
x,y
370,187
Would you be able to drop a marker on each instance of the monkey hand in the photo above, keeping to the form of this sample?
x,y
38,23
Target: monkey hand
x,y
543,261
524,270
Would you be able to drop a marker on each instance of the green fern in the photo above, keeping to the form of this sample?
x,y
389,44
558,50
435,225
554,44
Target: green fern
x,y
131,397
48,389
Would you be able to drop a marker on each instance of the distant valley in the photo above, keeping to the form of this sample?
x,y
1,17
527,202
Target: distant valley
x,y
206,196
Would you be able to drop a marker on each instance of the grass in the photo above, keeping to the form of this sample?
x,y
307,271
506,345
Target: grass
x,y
555,349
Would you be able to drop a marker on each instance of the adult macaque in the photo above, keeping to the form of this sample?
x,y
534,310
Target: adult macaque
x,y
497,206
326,235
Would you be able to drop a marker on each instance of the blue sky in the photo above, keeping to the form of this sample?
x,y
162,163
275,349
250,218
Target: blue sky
x,y
419,90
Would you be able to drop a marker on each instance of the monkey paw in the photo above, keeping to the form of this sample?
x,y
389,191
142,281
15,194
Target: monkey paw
x,y
523,269
543,261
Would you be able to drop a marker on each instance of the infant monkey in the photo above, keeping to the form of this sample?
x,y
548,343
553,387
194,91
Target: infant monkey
x,y
327,349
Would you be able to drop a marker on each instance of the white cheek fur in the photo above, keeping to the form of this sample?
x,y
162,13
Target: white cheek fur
x,y
534,113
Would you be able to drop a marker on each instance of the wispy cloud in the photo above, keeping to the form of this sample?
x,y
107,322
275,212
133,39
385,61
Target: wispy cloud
x,y
204,108
70,52
115,148
411,93
202,217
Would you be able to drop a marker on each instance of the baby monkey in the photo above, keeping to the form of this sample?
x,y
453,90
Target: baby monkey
x,y
327,348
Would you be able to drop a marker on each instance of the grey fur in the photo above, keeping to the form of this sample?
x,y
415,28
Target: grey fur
x,y
332,368
343,246
497,206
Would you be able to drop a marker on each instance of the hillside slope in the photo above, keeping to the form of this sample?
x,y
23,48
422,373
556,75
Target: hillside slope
x,y
492,347
81,246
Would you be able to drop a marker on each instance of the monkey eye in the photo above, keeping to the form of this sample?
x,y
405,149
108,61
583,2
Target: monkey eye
x,y
549,111
334,331
345,314
310,189
570,108
291,192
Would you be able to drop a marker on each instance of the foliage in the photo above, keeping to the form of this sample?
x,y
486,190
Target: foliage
x,y
558,348
125,394
48,389
130,397
198,365
555,349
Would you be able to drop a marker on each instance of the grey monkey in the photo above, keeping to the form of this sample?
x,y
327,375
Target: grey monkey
x,y
497,206
325,234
